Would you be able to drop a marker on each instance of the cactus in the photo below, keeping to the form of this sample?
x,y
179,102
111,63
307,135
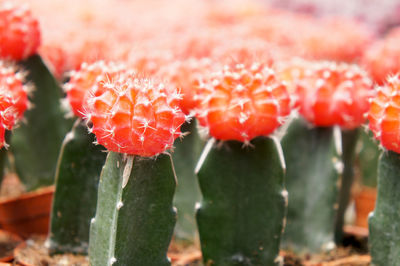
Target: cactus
x,y
136,120
185,155
74,204
13,104
313,173
3,157
135,219
349,142
384,233
368,159
240,218
36,143
383,222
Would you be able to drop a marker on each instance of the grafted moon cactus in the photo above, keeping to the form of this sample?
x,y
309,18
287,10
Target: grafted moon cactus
x,y
332,99
13,104
384,123
137,120
240,218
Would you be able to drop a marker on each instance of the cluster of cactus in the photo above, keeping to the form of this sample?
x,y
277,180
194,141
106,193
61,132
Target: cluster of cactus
x,y
34,147
259,183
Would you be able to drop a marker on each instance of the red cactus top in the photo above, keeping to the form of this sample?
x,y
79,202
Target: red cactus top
x,y
85,81
384,114
382,58
19,32
335,94
13,98
134,115
185,75
241,102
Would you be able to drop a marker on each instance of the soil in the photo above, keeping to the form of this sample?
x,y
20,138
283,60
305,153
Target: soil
x,y
183,253
34,252
7,245
354,253
338,257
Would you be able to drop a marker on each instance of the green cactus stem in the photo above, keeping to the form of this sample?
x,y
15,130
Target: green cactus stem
x,y
135,219
186,153
77,178
313,175
36,143
241,215
4,156
384,232
349,142
368,158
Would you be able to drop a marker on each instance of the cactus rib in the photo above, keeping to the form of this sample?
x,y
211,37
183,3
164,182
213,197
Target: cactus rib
x,y
314,167
74,204
133,223
384,238
240,218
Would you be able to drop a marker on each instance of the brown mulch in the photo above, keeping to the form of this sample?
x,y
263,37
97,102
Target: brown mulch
x,y
7,245
185,255
337,257
34,252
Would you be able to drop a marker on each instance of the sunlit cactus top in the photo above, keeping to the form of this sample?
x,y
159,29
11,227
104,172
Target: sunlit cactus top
x,y
335,94
185,75
241,102
382,58
19,32
338,39
384,114
244,48
13,98
292,72
85,81
136,116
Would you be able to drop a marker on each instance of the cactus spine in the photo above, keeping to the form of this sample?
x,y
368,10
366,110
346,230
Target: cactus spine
x,y
240,218
314,170
384,231
186,154
135,219
74,204
36,143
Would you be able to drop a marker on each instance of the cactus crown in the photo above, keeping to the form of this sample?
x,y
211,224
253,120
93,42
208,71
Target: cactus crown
x,y
241,102
335,94
135,115
185,75
384,112
13,98
84,82
19,32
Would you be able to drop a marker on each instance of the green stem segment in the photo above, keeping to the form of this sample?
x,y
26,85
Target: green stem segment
x,y
313,175
135,219
77,178
241,215
349,142
4,162
36,143
368,158
384,232
186,154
